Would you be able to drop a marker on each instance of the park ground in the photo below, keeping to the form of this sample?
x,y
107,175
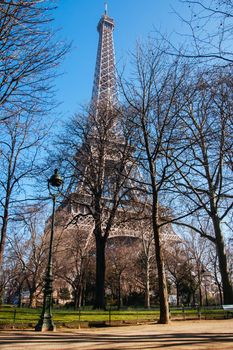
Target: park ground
x,y
179,335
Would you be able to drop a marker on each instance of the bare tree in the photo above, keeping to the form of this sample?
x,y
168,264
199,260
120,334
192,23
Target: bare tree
x,y
154,104
20,143
198,253
204,177
29,52
147,258
97,150
29,247
208,34
13,278
72,255
178,269
120,258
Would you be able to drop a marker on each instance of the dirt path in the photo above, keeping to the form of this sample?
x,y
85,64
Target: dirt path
x,y
183,335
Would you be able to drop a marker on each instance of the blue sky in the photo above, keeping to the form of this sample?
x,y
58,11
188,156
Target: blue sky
x,y
77,20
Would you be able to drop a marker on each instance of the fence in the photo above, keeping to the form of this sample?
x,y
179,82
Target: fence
x,y
25,317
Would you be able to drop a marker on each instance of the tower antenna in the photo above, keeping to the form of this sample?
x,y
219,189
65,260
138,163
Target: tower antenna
x,y
105,8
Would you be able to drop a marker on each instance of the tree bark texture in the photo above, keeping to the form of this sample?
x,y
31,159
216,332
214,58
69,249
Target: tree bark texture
x,y
223,266
147,292
4,231
100,272
163,294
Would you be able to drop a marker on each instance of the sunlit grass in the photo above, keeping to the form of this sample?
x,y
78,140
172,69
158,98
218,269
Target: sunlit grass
x,y
10,315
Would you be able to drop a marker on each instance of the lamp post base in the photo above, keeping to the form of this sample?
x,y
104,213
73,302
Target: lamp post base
x,y
45,324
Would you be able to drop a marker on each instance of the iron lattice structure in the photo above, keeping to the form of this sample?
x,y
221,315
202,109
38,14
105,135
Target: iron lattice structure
x,y
104,89
105,94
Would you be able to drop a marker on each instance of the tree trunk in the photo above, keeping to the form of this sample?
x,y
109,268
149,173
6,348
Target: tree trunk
x,y
80,296
177,295
119,293
223,267
163,294
75,293
3,232
32,299
217,283
200,297
5,217
194,298
206,295
199,287
100,272
20,297
147,292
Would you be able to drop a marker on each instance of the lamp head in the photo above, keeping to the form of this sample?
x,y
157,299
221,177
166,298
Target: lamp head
x,y
55,180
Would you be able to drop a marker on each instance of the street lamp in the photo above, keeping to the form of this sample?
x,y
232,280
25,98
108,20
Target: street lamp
x,y
46,320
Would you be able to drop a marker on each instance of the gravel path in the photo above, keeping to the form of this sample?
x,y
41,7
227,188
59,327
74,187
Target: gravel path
x,y
183,335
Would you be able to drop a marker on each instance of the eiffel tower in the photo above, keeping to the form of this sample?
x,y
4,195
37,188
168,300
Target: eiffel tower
x,y
104,88
104,95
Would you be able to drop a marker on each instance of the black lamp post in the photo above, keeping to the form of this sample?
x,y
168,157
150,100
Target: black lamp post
x,y
46,320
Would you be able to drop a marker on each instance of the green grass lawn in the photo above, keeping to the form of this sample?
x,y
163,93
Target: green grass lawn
x,y
10,315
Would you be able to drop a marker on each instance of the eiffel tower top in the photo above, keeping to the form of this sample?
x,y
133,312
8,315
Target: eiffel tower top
x,y
104,88
105,8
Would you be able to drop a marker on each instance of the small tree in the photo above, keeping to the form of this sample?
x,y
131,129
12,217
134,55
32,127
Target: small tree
x,y
146,260
178,268
64,293
28,247
72,257
120,257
